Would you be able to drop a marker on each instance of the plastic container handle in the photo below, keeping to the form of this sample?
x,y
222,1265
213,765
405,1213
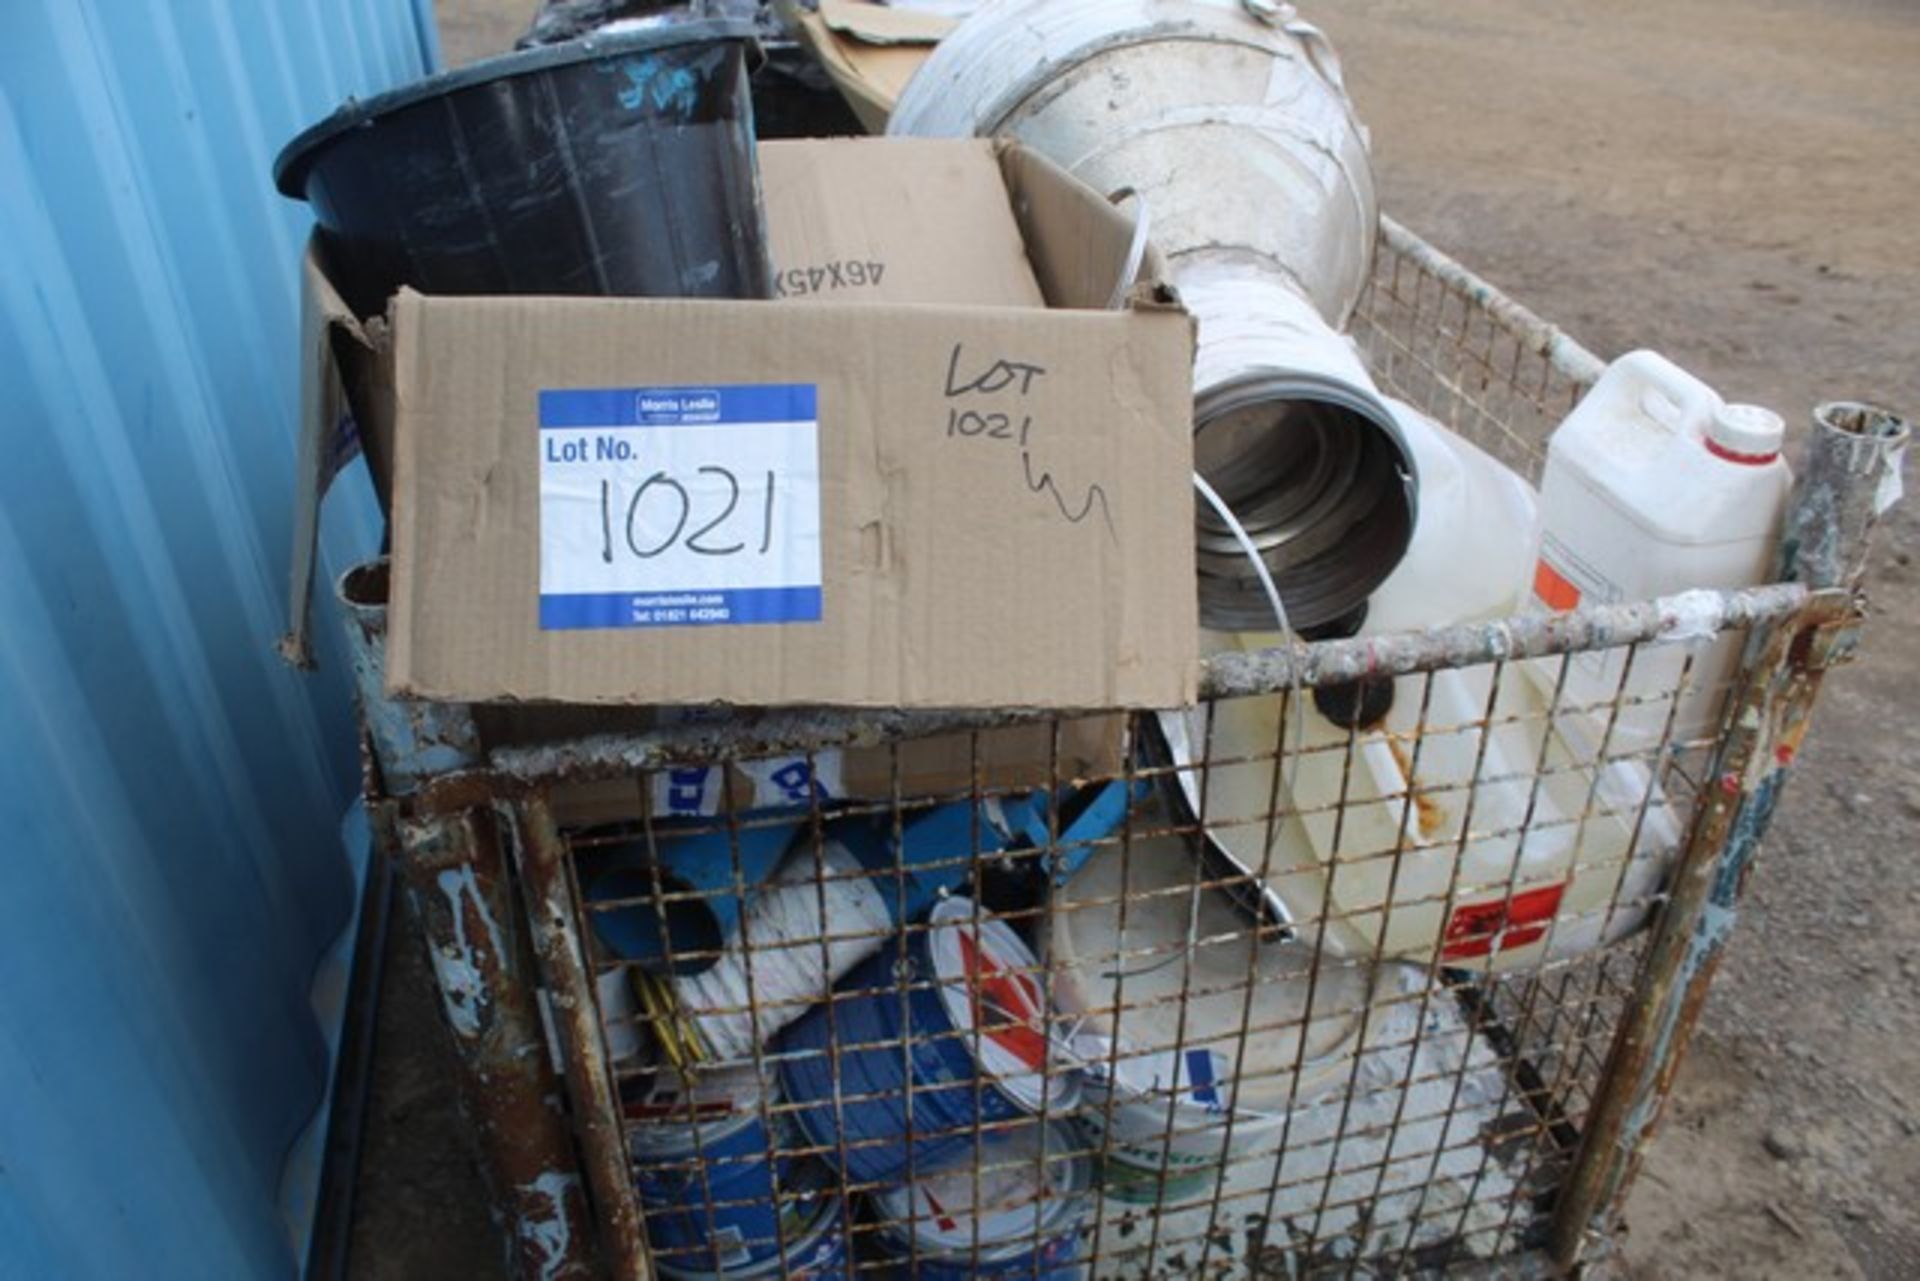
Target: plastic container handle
x,y
1657,389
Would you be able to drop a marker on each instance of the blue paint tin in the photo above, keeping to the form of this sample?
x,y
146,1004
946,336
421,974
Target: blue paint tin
x,y
819,1252
1013,1208
982,1047
706,1164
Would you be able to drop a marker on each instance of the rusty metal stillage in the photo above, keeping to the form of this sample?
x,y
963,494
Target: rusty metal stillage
x,y
1207,993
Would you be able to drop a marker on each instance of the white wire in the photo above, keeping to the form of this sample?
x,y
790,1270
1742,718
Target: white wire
x,y
1136,256
1241,536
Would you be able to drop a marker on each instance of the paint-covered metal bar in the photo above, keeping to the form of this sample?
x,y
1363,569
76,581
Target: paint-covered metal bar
x,y
412,741
542,855
1688,616
1843,489
1851,476
457,885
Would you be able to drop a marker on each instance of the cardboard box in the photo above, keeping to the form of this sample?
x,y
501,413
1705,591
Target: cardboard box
x,y
909,505
870,51
937,228
1009,759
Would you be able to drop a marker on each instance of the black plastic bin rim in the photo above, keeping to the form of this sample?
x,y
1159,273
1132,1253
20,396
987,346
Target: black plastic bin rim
x,y
296,158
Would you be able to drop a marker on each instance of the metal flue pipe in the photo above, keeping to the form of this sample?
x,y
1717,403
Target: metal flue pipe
x,y
1233,127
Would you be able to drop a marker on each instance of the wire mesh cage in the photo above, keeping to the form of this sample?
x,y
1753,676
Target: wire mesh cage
x,y
1238,1005
1321,976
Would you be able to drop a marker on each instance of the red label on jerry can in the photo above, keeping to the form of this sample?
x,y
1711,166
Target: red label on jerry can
x,y
1480,929
1553,589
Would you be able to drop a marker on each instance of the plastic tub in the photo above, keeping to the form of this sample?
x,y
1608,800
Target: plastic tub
x,y
618,165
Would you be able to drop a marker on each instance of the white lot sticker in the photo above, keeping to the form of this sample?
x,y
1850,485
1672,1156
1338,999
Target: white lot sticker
x,y
679,506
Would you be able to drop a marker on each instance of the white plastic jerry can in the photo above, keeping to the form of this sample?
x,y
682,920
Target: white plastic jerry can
x,y
1654,485
1456,828
1469,832
1475,532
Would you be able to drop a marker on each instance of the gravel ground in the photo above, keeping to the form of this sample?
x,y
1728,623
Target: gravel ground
x,y
1733,183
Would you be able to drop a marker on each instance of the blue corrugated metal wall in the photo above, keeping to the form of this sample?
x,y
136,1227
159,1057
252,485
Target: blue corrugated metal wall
x,y
169,794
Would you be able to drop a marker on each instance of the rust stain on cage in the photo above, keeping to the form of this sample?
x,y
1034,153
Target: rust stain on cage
x,y
1749,769
1232,675
1849,479
552,915
1430,814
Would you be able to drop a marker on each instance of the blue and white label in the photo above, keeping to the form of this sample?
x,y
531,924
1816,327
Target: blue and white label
x,y
783,782
680,506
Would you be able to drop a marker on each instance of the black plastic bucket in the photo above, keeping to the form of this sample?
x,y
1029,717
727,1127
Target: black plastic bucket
x,y
619,165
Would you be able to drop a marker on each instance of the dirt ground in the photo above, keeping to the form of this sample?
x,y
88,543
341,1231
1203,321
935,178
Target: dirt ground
x,y
1735,183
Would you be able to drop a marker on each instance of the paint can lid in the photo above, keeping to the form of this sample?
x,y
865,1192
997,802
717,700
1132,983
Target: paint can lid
x,y
990,979
1019,1187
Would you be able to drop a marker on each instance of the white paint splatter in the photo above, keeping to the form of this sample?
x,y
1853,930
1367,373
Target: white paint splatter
x,y
1691,616
462,989
551,1234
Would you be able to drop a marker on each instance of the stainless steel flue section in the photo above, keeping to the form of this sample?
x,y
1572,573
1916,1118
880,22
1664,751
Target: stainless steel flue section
x,y
1230,121
1303,450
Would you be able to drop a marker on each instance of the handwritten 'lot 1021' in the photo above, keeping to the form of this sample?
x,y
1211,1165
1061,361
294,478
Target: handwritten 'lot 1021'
x,y
995,377
995,381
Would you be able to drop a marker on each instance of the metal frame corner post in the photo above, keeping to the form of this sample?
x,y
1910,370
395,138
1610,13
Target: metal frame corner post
x,y
458,887
1841,494
542,857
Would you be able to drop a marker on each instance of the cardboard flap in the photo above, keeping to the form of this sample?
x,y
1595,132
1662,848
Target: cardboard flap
x,y
879,24
1004,515
326,442
1079,244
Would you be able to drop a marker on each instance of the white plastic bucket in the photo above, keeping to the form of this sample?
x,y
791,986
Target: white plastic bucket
x,y
807,900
